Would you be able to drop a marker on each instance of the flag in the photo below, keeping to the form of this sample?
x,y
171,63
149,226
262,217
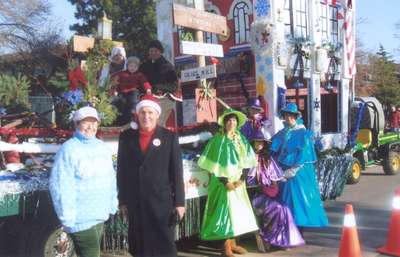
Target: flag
x,y
349,41
331,2
214,60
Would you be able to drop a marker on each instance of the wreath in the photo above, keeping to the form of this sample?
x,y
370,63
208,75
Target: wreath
x,y
262,34
299,56
332,62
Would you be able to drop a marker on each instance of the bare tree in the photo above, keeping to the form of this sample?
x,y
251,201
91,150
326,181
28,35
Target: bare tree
x,y
363,83
20,20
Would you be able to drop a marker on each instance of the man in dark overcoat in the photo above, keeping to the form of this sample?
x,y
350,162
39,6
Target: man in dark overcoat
x,y
162,76
150,183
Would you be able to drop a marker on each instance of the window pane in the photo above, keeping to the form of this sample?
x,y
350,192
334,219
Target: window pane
x,y
288,17
334,33
242,23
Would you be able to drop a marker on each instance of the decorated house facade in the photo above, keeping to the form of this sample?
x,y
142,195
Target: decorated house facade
x,y
300,51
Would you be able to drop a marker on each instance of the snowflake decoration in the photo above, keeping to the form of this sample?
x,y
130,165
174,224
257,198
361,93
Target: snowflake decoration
x,y
269,76
268,61
261,68
317,104
263,8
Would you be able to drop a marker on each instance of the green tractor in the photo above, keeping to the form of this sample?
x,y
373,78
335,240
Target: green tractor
x,y
371,144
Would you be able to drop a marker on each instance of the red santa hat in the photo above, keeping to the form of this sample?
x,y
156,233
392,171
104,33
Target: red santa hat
x,y
149,101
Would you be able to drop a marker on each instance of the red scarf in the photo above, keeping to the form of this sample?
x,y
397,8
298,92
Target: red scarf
x,y
144,139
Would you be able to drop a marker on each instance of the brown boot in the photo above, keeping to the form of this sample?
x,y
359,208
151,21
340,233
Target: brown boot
x,y
227,251
236,248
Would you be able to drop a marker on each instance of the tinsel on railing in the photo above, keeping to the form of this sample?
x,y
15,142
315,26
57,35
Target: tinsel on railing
x,y
22,182
115,238
332,173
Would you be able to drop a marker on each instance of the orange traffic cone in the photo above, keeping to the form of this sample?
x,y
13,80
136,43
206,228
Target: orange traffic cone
x,y
349,244
392,246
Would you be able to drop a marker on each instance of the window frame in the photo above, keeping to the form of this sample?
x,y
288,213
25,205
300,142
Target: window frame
x,y
241,11
331,25
299,18
333,19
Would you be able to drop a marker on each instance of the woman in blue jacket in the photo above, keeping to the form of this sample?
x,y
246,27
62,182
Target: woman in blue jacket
x,y
83,184
293,149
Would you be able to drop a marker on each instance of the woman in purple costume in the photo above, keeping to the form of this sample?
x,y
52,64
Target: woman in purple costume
x,y
277,227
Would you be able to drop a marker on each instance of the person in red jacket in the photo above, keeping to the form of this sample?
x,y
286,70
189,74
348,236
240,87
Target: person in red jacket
x,y
129,85
395,119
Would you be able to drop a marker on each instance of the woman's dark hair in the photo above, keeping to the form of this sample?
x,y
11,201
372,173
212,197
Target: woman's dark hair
x,y
295,115
229,116
156,44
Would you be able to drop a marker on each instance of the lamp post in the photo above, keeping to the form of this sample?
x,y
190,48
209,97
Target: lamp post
x,y
104,28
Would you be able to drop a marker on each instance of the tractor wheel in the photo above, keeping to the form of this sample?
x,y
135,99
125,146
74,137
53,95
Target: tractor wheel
x,y
355,172
391,165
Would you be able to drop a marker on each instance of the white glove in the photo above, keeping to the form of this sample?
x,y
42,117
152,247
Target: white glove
x,y
291,172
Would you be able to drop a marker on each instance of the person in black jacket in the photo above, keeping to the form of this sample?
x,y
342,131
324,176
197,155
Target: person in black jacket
x,y
162,76
150,183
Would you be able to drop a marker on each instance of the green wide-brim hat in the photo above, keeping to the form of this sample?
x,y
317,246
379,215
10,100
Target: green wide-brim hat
x,y
240,116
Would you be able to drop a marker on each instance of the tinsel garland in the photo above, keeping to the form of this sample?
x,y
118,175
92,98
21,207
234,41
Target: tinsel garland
x,y
332,173
115,238
23,182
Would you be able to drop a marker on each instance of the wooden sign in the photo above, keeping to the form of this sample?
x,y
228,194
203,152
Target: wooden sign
x,y
196,48
82,44
206,72
206,109
200,20
118,44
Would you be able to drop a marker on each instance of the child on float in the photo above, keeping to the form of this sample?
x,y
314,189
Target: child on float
x,y
129,85
257,112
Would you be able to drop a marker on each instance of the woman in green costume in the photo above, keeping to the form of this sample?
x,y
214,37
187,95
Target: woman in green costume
x,y
228,210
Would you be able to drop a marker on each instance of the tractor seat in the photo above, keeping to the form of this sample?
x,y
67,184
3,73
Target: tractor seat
x,y
364,137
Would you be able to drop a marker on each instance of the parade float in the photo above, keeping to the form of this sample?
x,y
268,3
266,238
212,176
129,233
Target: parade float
x,y
266,51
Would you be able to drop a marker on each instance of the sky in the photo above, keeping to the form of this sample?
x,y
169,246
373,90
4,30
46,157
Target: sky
x,y
376,26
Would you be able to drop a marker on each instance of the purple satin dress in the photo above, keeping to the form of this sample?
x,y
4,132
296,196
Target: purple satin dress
x,y
277,226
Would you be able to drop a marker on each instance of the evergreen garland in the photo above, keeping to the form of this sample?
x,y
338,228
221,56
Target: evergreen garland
x,y
91,94
59,81
98,96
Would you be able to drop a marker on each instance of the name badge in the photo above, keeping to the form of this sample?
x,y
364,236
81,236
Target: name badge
x,y
156,142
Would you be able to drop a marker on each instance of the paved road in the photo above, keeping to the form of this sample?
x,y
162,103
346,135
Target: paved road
x,y
371,198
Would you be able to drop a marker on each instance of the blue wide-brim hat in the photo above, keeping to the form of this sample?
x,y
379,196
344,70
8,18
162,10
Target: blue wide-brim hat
x,y
240,117
290,108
